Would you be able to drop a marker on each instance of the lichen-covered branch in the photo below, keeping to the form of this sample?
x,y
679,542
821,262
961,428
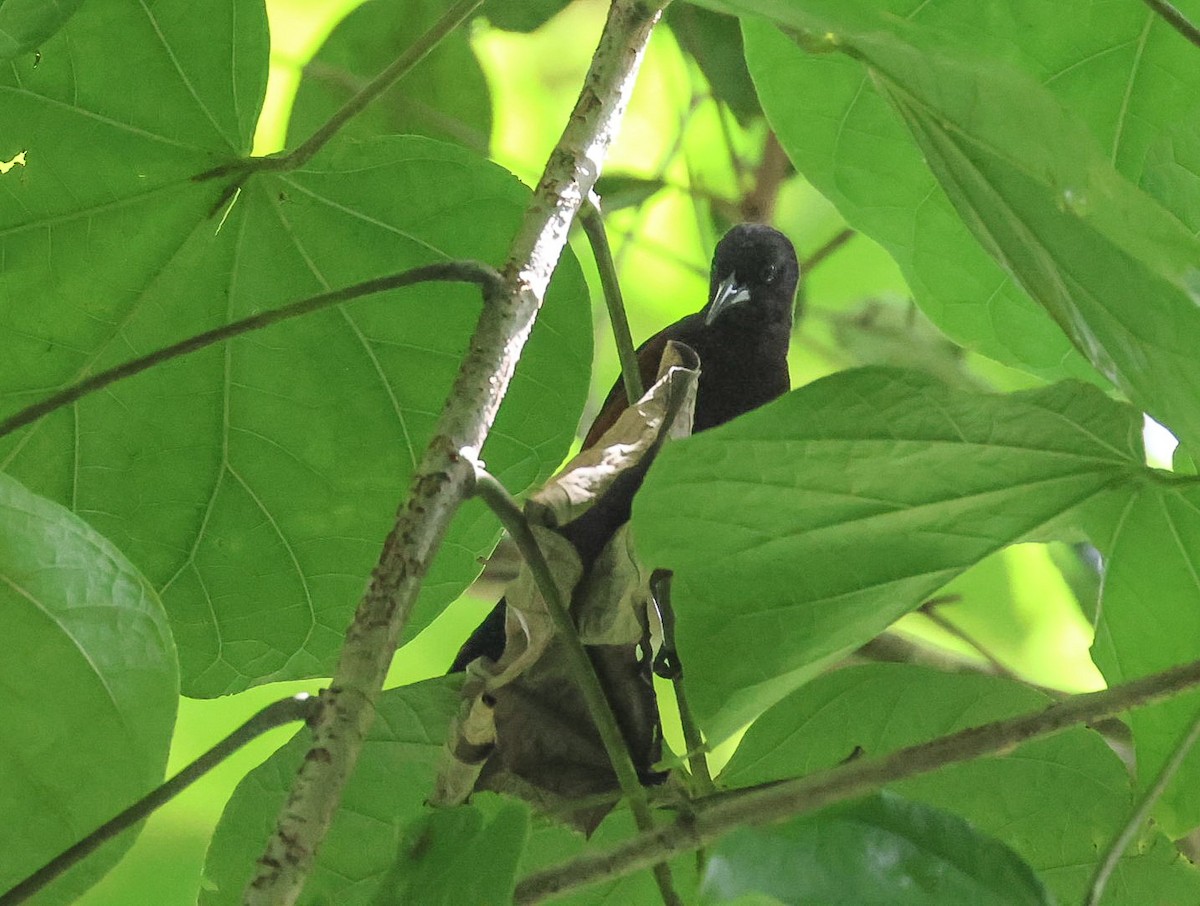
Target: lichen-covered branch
x,y
446,473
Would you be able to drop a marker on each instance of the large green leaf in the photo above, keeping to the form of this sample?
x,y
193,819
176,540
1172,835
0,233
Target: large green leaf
x,y
1056,801
807,526
445,96
90,686
24,24
881,849
1149,619
1124,72
253,483
459,855
386,793
1031,182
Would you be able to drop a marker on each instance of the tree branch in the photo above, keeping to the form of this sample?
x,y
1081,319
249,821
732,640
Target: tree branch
x,y
1139,815
276,714
1176,19
778,801
445,476
592,220
402,66
450,271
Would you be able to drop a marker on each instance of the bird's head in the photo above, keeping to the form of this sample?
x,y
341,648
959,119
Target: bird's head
x,y
754,275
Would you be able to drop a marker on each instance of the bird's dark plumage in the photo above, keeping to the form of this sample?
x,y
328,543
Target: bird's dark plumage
x,y
741,336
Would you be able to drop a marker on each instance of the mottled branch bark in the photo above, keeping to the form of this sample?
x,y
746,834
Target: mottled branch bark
x,y
446,474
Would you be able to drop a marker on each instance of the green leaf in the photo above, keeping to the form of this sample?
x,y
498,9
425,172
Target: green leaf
x,y
1123,71
714,41
1172,172
526,16
1056,801
445,96
24,24
253,483
451,856
617,191
807,526
90,685
882,849
1149,620
385,794
552,843
1084,243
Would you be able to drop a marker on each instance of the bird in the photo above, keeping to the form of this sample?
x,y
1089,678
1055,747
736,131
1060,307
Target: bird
x,y
741,336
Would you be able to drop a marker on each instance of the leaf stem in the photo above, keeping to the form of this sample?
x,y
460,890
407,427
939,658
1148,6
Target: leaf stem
x,y
593,225
781,800
1121,842
452,271
841,238
1176,19
489,489
288,710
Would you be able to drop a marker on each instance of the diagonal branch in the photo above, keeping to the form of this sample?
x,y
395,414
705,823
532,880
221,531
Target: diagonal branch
x,y
446,475
778,801
453,271
277,714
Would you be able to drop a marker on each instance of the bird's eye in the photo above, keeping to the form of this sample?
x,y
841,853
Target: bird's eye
x,y
769,274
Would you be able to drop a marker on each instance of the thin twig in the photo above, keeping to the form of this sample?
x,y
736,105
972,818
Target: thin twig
x,y
785,799
403,64
826,250
1121,843
277,714
453,271
930,610
445,476
500,502
592,220
1176,19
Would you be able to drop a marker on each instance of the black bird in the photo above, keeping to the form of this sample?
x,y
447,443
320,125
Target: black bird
x,y
741,336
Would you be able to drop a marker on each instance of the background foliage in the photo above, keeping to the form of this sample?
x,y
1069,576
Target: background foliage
x,y
999,210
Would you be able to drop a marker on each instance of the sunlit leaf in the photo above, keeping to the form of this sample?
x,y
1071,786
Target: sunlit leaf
x,y
90,686
386,793
1124,72
24,24
807,526
445,96
1149,620
253,483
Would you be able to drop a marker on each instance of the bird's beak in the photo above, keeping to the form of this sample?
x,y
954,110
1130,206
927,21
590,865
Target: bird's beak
x,y
729,293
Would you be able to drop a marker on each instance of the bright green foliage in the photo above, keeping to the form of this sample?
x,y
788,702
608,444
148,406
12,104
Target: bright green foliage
x,y
24,24
1032,168
1054,801
1126,74
440,860
808,526
877,850
444,97
90,688
385,795
251,482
